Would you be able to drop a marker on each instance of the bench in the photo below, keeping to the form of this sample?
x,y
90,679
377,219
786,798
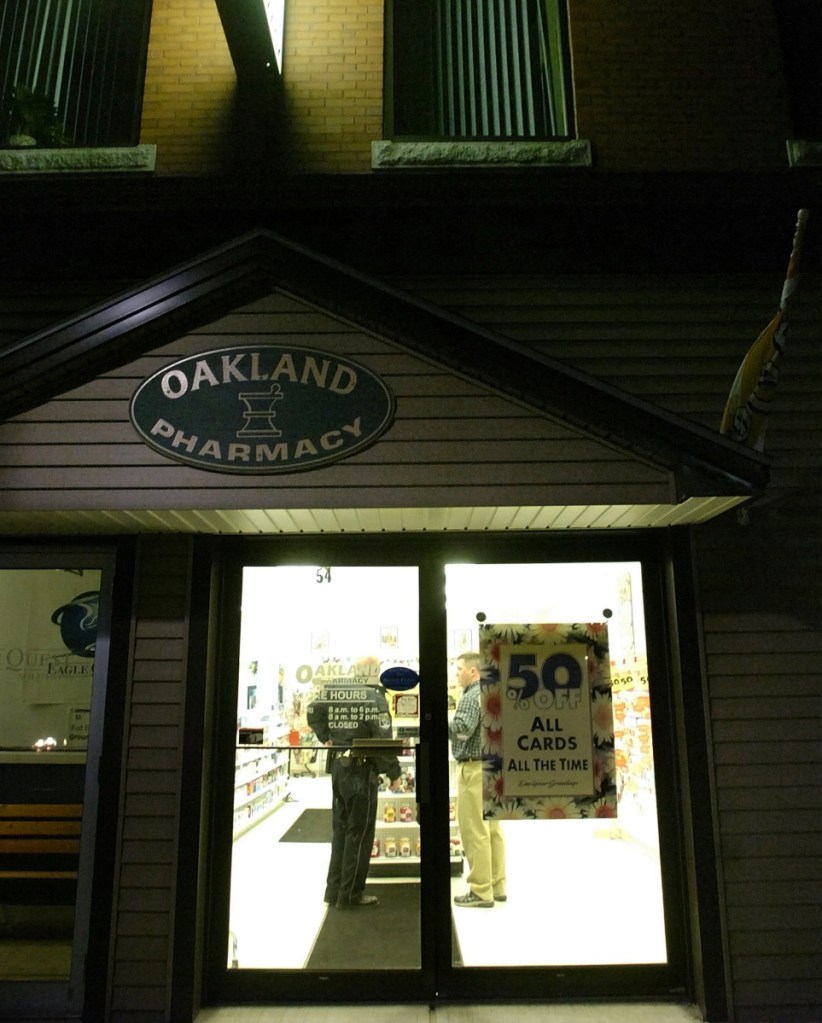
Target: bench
x,y
39,851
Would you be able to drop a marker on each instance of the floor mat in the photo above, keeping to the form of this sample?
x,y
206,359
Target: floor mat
x,y
311,826
384,937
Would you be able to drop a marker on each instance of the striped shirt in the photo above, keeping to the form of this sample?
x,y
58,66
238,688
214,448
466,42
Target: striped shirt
x,y
464,731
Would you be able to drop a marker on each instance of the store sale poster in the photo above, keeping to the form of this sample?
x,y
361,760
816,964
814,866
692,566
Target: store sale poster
x,y
547,721
545,708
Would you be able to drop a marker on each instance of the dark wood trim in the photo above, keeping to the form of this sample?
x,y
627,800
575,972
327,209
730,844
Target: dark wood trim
x,y
195,812
700,835
221,713
663,678
56,359
109,779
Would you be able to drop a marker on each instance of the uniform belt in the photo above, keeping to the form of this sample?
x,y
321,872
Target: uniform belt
x,y
355,758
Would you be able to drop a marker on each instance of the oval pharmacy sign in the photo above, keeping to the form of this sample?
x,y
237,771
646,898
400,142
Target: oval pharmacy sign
x,y
261,409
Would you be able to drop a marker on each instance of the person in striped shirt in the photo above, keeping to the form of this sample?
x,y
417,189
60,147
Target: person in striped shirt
x,y
482,839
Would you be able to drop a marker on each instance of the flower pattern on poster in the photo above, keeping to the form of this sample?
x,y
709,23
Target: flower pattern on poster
x,y
496,641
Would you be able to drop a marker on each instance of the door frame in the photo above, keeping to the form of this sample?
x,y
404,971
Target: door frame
x,y
688,898
74,996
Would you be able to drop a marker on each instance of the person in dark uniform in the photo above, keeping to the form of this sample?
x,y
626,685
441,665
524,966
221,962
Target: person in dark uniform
x,y
353,707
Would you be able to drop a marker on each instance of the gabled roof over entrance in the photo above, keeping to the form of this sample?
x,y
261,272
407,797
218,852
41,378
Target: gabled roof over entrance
x,y
708,473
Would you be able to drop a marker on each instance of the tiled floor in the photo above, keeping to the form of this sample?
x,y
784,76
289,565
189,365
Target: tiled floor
x,y
576,1013
505,937
310,868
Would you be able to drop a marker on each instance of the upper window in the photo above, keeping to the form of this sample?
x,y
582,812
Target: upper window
x,y
71,72
476,69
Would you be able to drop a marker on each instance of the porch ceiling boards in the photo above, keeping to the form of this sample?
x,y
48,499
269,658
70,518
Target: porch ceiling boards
x,y
305,521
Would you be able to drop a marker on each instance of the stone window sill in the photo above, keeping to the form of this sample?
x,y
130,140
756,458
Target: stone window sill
x,y
804,154
33,160
389,155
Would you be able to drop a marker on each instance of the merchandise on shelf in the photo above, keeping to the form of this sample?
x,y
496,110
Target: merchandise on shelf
x,y
260,779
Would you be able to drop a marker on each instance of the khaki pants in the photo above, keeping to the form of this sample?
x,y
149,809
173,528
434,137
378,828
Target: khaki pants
x,y
481,839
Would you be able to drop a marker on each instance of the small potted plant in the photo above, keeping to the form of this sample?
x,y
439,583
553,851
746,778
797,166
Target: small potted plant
x,y
34,120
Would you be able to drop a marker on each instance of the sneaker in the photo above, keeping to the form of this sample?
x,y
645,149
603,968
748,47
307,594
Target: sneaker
x,y
362,900
472,900
500,898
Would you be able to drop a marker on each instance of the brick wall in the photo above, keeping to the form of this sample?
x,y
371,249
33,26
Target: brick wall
x,y
189,90
332,72
332,76
692,86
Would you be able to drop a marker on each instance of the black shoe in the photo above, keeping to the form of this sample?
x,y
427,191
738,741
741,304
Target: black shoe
x,y
357,902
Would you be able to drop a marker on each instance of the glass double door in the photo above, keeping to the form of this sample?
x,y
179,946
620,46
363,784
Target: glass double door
x,y
328,730
444,783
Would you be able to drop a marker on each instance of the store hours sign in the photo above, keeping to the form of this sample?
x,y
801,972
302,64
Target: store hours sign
x,y
261,409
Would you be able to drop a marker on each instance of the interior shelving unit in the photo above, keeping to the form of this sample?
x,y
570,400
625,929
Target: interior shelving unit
x,y
260,782
396,851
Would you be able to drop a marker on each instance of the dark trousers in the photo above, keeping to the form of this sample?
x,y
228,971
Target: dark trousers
x,y
353,816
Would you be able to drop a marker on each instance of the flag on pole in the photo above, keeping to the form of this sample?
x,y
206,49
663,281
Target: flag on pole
x,y
748,404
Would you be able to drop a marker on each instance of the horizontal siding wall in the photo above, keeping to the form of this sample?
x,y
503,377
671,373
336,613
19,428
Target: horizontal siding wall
x,y
674,340
81,450
143,924
678,341
762,606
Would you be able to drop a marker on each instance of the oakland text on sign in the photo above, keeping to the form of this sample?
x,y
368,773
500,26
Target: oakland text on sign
x,y
261,409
